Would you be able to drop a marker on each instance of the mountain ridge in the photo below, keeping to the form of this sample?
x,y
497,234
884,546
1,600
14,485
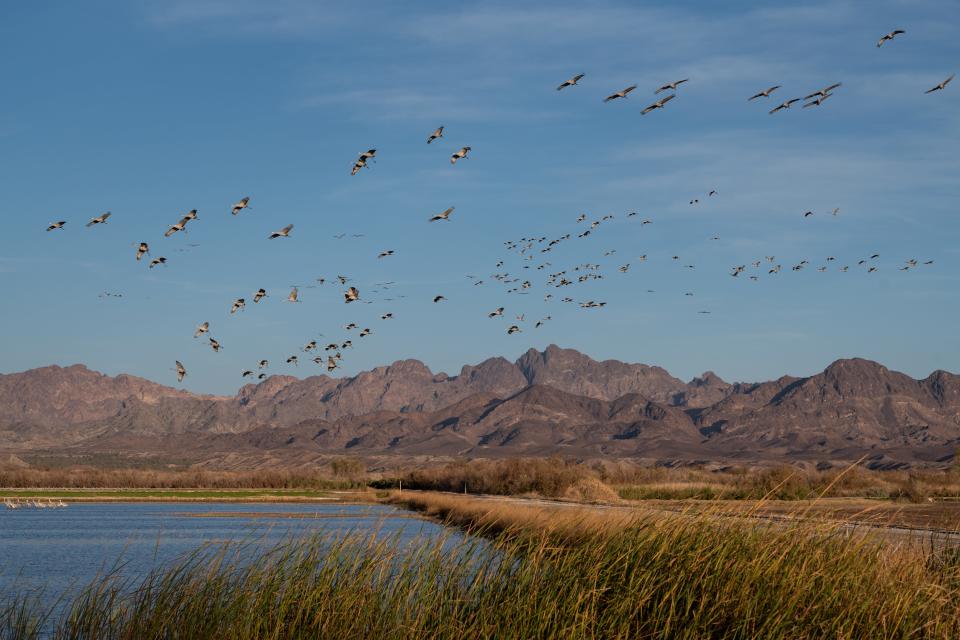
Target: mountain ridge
x,y
555,401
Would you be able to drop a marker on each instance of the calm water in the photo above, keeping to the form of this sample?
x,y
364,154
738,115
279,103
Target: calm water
x,y
57,551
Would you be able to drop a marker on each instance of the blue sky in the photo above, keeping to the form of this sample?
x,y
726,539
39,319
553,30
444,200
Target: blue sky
x,y
149,109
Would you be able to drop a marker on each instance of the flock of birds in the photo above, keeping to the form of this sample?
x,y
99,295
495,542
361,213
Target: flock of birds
x,y
20,503
531,251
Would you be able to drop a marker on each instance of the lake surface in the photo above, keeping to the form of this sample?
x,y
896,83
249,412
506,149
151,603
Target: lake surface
x,y
57,551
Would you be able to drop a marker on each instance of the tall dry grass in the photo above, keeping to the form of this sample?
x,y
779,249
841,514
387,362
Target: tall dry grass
x,y
565,576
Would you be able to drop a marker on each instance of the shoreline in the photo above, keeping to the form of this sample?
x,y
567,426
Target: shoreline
x,y
238,496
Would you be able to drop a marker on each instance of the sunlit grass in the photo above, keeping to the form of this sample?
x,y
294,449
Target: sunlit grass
x,y
536,572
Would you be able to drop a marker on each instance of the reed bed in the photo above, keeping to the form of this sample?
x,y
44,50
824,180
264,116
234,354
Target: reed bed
x,y
534,573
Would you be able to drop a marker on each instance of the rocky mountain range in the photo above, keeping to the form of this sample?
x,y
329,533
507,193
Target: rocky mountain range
x,y
556,401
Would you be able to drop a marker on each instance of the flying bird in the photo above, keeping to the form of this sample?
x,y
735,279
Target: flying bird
x,y
386,316
238,305
939,87
244,203
890,36
571,82
462,153
283,233
672,86
659,104
263,364
142,249
384,254
202,329
259,295
56,225
436,134
246,373
620,94
102,219
442,216
294,295
294,360
496,312
823,92
784,105
214,345
513,329
351,295
818,101
181,371
181,224
438,299
156,261
362,160
764,94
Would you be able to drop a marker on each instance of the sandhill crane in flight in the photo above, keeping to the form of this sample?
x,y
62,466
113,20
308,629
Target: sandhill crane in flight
x,y
571,82
244,203
939,87
384,254
620,94
496,312
764,94
438,299
56,225
442,216
294,360
214,345
784,105
659,104
282,233
101,219
362,160
436,134
263,364
181,371
462,153
246,373
351,295
238,305
294,295
202,329
890,36
142,249
823,92
365,332
156,261
672,86
262,376
818,101
513,329
181,224
259,295
386,316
